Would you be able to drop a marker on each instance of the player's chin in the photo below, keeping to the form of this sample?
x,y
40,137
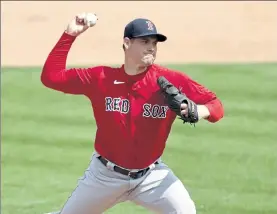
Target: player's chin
x,y
148,61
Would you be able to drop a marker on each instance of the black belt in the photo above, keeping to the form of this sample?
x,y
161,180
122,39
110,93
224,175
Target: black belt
x,y
134,175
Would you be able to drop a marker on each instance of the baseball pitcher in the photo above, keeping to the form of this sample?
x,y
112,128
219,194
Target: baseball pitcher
x,y
134,105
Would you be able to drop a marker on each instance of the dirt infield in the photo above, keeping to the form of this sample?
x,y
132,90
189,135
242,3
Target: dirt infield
x,y
197,31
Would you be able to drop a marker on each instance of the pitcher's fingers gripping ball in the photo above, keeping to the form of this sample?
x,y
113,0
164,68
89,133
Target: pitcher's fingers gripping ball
x,y
81,23
174,98
87,19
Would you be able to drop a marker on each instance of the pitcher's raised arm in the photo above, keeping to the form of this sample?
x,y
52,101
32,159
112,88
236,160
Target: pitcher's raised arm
x,y
54,73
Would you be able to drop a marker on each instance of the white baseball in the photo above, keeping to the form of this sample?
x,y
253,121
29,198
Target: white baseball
x,y
90,19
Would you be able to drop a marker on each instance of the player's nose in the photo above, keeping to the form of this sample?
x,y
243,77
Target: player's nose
x,y
151,50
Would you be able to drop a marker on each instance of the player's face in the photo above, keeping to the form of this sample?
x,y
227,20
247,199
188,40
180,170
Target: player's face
x,y
143,50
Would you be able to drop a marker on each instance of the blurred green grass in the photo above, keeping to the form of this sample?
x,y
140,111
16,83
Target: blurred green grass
x,y
229,167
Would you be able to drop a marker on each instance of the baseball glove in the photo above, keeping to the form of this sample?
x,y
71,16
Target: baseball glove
x,y
174,98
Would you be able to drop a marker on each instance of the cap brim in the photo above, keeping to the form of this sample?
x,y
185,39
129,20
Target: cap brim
x,y
160,37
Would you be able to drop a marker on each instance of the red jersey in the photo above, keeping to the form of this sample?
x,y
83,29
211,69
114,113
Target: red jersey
x,y
133,120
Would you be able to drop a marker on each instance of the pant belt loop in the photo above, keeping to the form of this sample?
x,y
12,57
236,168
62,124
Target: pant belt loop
x,y
110,165
152,166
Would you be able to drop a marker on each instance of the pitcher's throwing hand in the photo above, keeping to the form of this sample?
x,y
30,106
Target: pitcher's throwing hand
x,y
81,23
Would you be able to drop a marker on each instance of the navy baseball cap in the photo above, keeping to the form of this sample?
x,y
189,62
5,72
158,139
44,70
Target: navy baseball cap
x,y
142,27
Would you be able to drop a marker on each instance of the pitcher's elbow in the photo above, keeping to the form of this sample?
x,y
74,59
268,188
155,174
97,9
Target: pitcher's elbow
x,y
45,80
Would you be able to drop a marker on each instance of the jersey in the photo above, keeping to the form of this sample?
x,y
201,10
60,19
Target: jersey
x,y
133,121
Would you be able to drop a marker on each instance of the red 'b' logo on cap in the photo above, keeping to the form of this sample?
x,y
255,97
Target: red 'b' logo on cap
x,y
150,25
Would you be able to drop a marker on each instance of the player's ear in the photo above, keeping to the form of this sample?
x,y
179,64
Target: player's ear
x,y
126,43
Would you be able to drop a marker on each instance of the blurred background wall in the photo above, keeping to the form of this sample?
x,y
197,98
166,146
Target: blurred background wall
x,y
197,31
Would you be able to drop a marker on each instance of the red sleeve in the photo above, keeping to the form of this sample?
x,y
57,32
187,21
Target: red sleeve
x,y
72,81
202,96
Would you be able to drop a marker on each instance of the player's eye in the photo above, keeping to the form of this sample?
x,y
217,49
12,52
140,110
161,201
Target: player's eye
x,y
145,41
